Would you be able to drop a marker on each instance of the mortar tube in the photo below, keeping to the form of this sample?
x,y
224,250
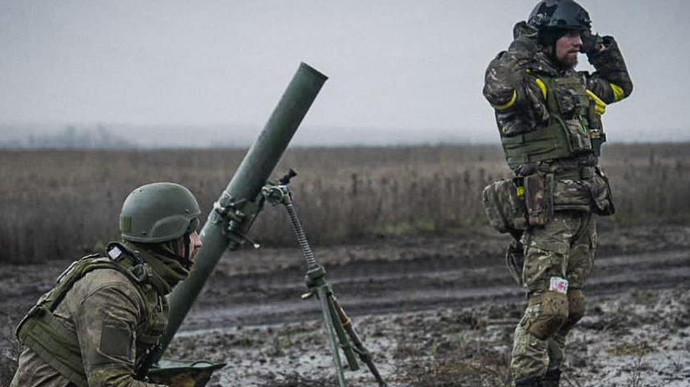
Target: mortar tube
x,y
246,184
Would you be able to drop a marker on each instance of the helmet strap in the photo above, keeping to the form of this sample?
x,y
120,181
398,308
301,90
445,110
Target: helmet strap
x,y
176,254
187,241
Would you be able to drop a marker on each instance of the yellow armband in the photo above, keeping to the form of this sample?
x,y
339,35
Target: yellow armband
x,y
507,105
618,93
542,87
599,105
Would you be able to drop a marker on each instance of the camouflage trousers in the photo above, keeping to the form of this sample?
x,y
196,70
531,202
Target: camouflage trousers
x,y
562,248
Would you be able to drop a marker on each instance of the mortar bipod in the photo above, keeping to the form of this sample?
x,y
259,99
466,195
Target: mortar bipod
x,y
341,332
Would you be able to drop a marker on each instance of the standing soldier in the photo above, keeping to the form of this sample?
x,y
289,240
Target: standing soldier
x,y
549,119
106,312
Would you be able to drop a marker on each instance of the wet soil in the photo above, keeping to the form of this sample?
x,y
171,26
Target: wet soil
x,y
435,311
409,274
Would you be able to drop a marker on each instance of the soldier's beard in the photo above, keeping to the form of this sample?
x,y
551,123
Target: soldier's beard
x,y
568,61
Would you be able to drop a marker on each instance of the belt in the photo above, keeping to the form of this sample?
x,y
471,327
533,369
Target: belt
x,y
576,168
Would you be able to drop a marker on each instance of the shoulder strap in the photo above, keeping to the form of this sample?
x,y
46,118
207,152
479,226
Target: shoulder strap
x,y
84,266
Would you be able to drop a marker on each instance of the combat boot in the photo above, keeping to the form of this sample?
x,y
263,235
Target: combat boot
x,y
551,378
534,381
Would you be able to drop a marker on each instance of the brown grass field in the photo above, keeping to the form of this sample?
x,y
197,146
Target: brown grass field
x,y
63,204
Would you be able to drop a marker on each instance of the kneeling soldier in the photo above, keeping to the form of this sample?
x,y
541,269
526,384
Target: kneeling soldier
x,y
105,315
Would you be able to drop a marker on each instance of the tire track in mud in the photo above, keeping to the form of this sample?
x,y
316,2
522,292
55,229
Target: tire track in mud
x,y
377,287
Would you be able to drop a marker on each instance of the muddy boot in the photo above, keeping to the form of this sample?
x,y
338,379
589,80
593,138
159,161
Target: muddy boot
x,y
551,378
534,381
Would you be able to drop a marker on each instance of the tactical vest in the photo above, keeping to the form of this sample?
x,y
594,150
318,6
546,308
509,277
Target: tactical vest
x,y
59,346
565,135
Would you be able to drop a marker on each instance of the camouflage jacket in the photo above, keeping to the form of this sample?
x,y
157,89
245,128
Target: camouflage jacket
x,y
106,310
514,86
510,80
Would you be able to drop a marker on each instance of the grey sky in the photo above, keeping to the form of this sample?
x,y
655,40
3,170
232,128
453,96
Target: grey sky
x,y
395,64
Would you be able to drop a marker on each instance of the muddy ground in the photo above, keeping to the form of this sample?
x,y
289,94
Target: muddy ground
x,y
435,311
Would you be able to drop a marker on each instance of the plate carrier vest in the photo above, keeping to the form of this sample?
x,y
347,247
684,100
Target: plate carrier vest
x,y
58,346
566,134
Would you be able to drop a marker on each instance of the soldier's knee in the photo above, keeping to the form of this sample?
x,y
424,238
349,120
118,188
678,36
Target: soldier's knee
x,y
576,309
554,313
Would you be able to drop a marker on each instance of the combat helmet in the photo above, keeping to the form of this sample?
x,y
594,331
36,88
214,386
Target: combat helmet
x,y
559,15
158,213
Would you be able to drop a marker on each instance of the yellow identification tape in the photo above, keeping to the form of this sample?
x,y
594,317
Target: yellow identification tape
x,y
509,104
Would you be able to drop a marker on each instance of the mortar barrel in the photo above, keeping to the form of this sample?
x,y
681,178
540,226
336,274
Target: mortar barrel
x,y
246,184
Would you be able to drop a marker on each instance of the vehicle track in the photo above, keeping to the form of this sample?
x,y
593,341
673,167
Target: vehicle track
x,y
440,281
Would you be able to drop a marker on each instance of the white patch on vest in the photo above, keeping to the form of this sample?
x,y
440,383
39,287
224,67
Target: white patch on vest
x,y
114,252
558,285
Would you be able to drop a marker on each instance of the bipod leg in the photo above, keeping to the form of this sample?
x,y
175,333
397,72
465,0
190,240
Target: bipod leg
x,y
337,322
328,319
317,285
361,350
343,338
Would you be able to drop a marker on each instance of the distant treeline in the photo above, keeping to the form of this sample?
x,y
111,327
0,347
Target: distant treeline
x,y
63,204
70,137
187,136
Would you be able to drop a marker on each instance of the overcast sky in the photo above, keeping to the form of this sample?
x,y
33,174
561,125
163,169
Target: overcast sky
x,y
399,65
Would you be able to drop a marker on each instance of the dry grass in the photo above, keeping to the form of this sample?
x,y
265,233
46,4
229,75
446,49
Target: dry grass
x,y
62,204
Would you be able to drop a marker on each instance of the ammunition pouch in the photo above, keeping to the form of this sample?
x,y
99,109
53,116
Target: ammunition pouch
x,y
563,185
582,188
577,184
598,139
602,199
571,194
567,102
538,199
504,206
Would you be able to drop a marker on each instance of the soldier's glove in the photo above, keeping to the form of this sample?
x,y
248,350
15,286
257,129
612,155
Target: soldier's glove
x,y
599,105
606,42
526,32
591,43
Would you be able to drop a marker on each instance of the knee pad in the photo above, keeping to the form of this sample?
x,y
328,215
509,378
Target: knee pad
x,y
554,313
576,309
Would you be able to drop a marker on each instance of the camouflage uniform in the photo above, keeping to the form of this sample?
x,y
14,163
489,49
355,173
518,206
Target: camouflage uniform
x,y
116,317
532,95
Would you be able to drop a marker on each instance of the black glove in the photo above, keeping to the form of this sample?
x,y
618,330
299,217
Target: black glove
x,y
591,43
526,40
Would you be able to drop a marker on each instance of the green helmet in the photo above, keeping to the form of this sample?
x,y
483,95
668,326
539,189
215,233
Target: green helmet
x,y
158,212
559,14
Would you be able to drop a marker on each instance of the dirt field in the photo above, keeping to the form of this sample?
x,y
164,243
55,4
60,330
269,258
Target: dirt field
x,y
436,311
404,239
